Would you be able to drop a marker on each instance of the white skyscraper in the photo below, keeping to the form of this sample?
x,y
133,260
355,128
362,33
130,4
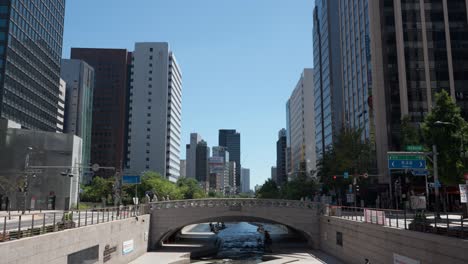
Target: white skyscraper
x,y
191,155
245,180
155,108
301,125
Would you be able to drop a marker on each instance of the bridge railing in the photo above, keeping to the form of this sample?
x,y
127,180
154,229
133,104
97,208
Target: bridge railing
x,y
17,226
449,224
235,202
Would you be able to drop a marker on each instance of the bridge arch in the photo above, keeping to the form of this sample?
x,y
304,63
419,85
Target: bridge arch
x,y
168,217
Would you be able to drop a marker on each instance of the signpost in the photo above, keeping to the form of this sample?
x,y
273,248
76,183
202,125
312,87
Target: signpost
x,y
420,172
132,179
396,162
463,193
346,175
414,148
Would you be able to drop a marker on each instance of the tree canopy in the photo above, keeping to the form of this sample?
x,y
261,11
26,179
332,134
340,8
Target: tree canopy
x,y
444,127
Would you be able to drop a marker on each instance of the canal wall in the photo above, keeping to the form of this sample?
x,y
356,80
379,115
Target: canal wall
x,y
353,242
116,242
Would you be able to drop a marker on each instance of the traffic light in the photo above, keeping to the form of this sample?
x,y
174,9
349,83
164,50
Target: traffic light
x,y
334,177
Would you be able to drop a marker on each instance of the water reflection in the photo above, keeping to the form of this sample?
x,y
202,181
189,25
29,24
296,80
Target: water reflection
x,y
239,243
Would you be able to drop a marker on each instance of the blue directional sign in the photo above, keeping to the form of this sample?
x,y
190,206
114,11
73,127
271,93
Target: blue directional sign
x,y
420,172
131,179
406,164
346,175
402,161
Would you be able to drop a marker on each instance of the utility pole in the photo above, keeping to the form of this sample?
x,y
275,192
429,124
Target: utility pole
x,y
436,180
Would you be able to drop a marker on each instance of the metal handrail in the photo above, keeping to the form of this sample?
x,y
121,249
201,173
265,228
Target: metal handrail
x,y
26,225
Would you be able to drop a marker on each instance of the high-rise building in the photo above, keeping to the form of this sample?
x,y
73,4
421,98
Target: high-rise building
x,y
273,173
201,164
79,79
155,110
328,88
31,38
300,110
108,135
219,173
245,180
191,154
396,56
281,149
233,186
61,106
224,154
183,168
230,138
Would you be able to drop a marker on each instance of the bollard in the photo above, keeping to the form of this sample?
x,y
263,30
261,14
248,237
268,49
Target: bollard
x,y
19,227
397,221
43,223
86,218
32,225
4,228
404,212
448,224
462,229
79,218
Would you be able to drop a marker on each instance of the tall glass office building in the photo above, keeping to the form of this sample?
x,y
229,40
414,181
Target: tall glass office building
x,y
327,74
396,54
31,34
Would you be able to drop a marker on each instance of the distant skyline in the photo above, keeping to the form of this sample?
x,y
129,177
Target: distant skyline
x,y
240,60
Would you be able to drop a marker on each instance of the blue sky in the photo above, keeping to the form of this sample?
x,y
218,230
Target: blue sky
x,y
240,59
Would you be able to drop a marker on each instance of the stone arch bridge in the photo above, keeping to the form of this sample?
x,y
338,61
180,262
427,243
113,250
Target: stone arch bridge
x,y
168,217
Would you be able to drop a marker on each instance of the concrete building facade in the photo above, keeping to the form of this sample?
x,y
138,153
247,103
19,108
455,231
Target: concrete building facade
x,y
300,110
191,155
245,180
46,189
183,168
155,109
110,105
79,79
30,53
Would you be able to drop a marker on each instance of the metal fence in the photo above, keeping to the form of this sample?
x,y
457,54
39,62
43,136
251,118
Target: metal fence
x,y
449,224
26,225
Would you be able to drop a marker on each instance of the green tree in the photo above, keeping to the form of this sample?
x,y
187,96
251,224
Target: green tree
x,y
303,185
269,190
349,153
410,134
444,127
99,189
155,183
190,188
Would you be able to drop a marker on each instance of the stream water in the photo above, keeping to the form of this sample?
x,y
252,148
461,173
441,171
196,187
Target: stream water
x,y
239,243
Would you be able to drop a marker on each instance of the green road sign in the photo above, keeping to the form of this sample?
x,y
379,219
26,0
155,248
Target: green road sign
x,y
414,148
406,157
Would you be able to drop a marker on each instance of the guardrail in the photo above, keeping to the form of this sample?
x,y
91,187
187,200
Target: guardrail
x,y
452,224
26,225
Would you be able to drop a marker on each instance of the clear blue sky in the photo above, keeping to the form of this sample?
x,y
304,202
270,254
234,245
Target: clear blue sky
x,y
240,60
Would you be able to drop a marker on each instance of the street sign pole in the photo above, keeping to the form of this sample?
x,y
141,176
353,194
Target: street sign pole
x,y
436,180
